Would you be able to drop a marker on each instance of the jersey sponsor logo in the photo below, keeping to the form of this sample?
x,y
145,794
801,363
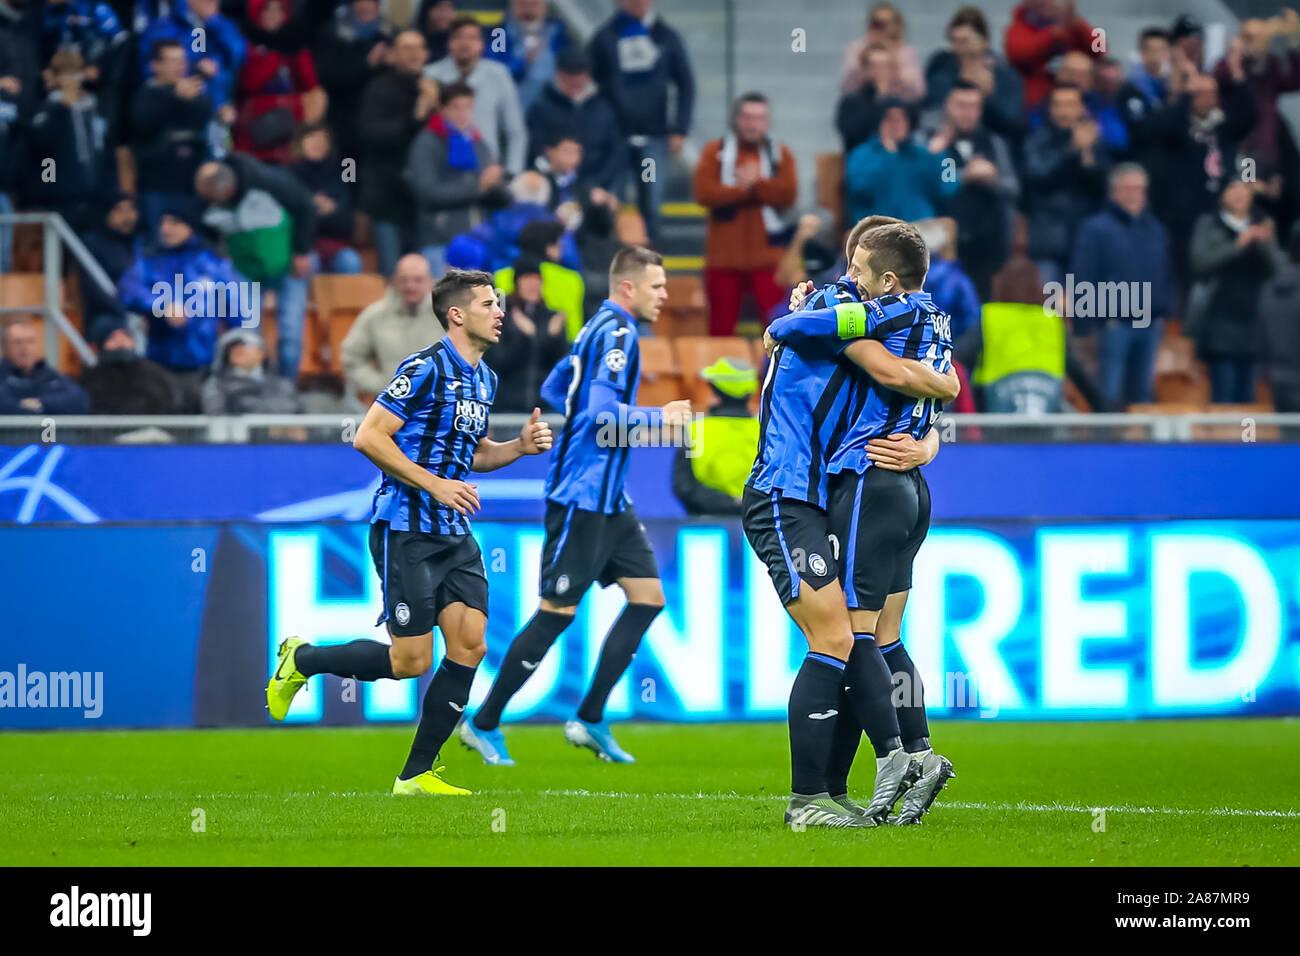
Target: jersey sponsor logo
x,y
403,614
471,416
616,360
562,584
401,387
818,565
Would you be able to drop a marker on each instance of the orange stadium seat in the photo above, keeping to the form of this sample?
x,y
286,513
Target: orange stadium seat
x,y
339,299
696,352
19,289
661,380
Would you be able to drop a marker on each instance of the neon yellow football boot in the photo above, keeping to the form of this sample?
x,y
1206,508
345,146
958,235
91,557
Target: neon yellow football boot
x,y
429,782
286,680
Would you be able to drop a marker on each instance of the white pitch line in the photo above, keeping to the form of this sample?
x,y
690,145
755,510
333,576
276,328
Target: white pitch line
x,y
731,795
951,804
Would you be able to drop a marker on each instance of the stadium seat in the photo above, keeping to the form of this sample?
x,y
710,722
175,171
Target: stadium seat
x,y
696,352
1179,377
339,299
661,381
630,227
20,289
686,312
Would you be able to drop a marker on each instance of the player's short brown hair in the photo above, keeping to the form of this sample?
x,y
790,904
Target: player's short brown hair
x,y
897,247
861,226
454,289
629,262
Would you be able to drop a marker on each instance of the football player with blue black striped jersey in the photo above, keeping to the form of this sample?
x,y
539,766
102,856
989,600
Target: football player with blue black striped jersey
x,y
592,531
426,432
805,408
879,510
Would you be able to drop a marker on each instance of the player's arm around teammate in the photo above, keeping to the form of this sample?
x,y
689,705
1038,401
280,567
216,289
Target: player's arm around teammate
x,y
908,376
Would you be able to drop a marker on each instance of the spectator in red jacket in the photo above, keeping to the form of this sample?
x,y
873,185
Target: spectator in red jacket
x,y
1041,30
278,87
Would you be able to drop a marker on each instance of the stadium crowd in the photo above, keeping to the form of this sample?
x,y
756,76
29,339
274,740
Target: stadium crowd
x,y
271,141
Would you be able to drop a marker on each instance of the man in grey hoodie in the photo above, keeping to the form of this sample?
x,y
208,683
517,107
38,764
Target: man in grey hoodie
x,y
240,384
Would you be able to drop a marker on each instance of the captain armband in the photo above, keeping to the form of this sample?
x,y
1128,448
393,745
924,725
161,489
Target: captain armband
x,y
851,320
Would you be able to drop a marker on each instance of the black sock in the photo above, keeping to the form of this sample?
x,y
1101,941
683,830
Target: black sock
x,y
444,702
844,744
362,659
620,647
528,648
814,700
911,711
869,685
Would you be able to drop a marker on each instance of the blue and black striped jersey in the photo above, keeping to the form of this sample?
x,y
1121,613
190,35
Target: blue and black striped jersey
x,y
443,402
802,412
911,326
596,386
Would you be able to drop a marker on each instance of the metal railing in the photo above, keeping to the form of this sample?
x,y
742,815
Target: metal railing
x,y
55,235
1218,428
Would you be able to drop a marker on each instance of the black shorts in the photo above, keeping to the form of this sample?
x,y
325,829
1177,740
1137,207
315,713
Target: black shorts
x,y
880,519
424,573
583,547
790,537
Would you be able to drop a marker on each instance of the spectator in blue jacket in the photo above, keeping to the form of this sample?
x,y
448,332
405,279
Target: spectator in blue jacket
x,y
892,175
531,195
528,42
1125,244
27,385
216,59
571,103
170,114
182,330
947,282
635,58
1101,100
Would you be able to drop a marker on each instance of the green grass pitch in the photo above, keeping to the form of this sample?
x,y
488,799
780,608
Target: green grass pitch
x,y
1175,792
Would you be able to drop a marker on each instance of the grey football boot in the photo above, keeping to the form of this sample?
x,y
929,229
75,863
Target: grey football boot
x,y
936,771
895,774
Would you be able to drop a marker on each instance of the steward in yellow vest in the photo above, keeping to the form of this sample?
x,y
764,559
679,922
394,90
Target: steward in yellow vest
x,y
709,476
